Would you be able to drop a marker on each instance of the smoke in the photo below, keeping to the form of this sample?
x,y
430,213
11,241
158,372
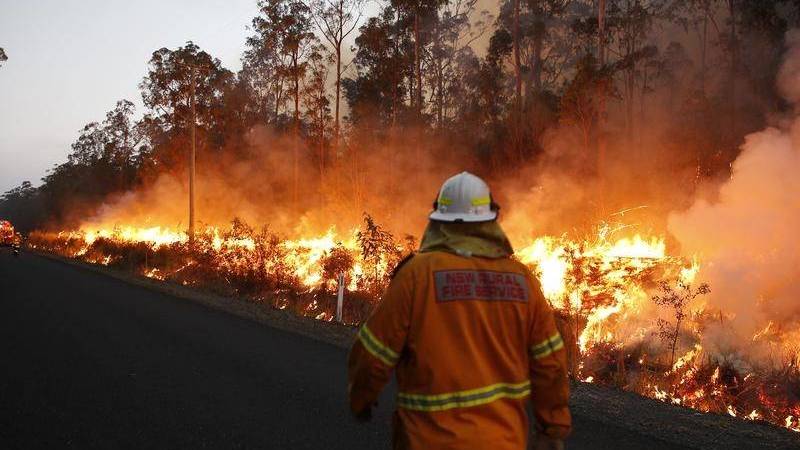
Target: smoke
x,y
248,186
744,239
395,182
748,238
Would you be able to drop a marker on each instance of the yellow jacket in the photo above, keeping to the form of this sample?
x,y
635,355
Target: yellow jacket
x,y
470,340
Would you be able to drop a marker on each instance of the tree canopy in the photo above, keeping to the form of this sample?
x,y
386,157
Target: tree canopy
x,y
688,78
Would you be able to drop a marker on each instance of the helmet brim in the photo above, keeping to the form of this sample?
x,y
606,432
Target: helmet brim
x,y
470,218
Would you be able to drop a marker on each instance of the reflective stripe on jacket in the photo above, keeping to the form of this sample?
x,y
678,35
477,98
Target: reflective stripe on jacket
x,y
470,340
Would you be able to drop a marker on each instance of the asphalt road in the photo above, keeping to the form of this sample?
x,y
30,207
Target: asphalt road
x,y
89,361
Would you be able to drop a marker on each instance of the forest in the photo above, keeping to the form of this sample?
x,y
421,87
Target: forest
x,y
340,99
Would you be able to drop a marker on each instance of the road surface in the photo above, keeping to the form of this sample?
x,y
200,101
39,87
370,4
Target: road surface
x,y
89,361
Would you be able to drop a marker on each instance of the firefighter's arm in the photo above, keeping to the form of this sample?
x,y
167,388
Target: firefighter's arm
x,y
379,343
548,367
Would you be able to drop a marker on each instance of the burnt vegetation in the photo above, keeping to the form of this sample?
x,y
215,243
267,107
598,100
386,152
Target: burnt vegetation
x,y
675,296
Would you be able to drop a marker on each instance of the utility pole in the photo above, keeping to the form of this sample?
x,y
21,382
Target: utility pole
x,y
339,297
192,159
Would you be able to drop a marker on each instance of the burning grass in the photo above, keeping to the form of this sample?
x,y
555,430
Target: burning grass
x,y
632,315
257,264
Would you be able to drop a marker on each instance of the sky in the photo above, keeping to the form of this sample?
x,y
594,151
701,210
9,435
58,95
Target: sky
x,y
69,61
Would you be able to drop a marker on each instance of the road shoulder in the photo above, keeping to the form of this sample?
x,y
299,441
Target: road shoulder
x,y
667,424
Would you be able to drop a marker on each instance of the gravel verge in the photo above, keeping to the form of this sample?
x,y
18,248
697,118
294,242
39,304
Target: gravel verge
x,y
329,332
678,426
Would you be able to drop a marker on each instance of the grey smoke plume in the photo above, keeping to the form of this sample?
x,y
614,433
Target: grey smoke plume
x,y
748,240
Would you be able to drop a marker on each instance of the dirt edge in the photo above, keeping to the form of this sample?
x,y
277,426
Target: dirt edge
x,y
328,332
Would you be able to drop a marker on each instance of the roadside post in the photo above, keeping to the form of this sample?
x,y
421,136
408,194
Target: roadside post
x,y
340,298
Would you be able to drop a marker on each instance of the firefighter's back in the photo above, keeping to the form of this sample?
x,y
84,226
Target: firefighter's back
x,y
464,377
469,335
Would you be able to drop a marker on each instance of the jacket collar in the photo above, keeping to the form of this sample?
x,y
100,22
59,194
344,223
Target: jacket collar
x,y
482,239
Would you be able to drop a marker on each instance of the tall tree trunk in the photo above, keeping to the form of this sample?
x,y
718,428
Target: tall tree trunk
x,y
601,119
297,103
517,63
417,64
703,70
517,119
418,92
393,138
412,93
537,58
439,68
338,92
321,126
536,68
642,115
296,146
277,102
630,98
703,48
734,68
439,95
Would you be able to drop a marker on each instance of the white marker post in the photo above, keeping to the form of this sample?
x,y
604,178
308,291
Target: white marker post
x,y
340,298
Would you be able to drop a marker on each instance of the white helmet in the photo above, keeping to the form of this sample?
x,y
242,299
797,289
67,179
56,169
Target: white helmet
x,y
464,198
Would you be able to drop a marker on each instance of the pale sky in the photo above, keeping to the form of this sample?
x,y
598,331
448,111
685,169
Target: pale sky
x,y
69,61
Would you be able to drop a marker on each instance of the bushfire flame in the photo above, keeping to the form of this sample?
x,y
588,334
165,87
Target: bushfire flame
x,y
601,288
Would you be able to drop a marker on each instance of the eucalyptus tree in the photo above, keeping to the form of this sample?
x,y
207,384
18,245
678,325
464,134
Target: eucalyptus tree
x,y
336,20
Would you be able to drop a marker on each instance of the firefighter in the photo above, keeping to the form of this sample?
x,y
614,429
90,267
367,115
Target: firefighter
x,y
470,336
